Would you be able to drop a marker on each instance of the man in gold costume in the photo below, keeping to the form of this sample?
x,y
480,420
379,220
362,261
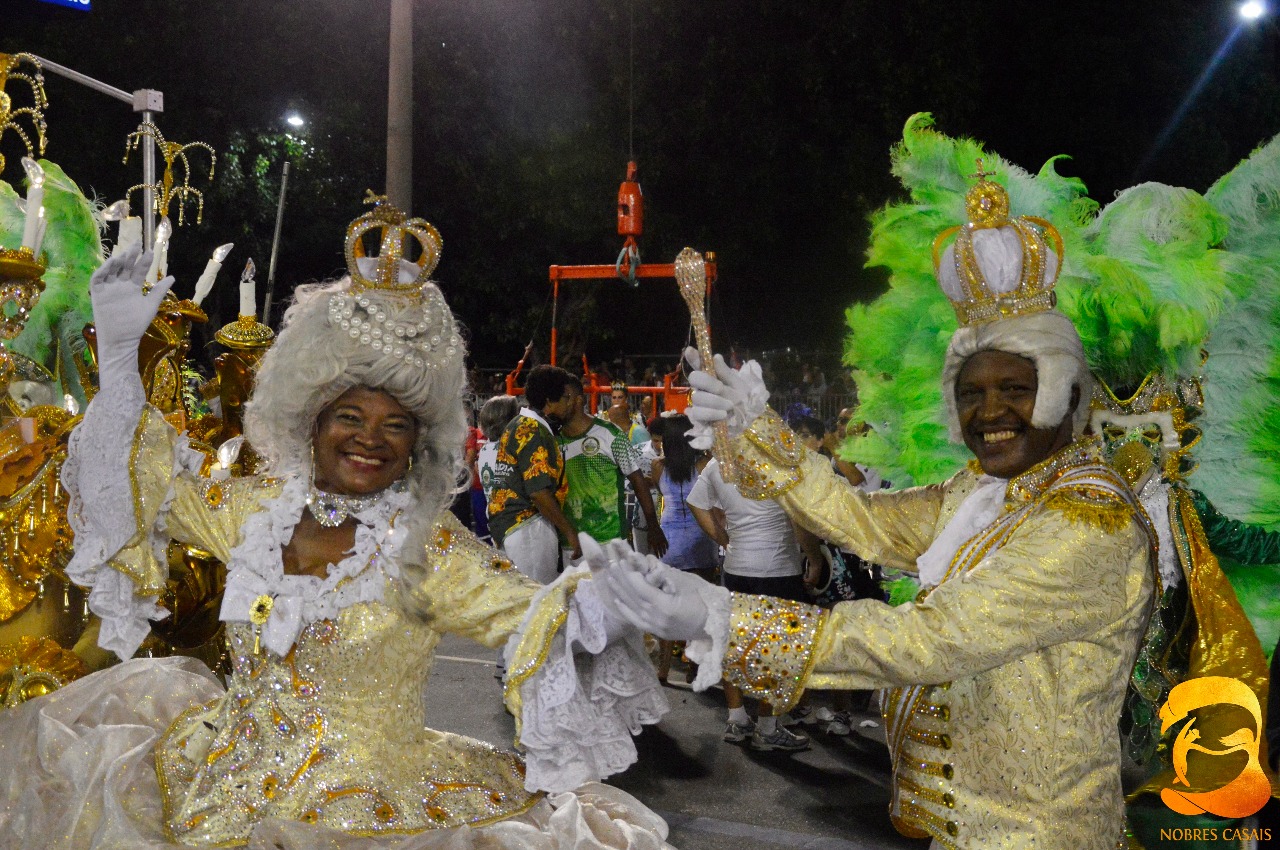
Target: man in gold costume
x,y
1008,673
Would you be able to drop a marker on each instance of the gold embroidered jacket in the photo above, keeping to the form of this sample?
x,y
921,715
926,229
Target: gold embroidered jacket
x,y
1007,679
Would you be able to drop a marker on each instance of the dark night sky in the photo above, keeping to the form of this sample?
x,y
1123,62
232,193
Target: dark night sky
x,y
762,129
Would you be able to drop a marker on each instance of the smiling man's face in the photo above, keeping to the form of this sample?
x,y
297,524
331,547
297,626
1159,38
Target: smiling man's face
x,y
995,397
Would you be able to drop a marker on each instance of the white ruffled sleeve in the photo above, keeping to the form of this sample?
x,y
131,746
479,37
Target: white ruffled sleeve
x,y
580,685
120,466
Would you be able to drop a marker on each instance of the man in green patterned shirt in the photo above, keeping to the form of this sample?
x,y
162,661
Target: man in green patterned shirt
x,y
598,461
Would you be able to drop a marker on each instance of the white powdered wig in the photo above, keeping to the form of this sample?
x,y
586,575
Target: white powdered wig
x,y
313,362
1049,340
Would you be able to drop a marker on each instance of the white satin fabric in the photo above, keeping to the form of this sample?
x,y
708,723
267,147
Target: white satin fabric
x,y
979,509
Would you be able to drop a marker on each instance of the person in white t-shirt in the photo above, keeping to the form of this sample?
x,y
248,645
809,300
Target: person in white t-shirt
x,y
761,557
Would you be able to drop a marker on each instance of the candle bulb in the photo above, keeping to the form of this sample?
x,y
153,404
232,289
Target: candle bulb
x,y
130,233
228,452
41,224
162,249
35,201
210,274
158,250
119,211
248,291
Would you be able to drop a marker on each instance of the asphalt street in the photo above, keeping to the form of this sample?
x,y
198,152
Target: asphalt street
x,y
714,795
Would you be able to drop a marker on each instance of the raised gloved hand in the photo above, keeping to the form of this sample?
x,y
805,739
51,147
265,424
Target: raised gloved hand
x,y
646,592
734,396
122,312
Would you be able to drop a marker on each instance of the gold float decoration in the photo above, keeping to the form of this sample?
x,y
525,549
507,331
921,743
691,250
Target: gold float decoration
x,y
9,116
174,153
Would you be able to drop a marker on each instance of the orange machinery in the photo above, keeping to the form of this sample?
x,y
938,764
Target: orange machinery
x,y
627,267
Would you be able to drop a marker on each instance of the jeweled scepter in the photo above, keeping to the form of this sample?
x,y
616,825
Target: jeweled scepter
x,y
691,275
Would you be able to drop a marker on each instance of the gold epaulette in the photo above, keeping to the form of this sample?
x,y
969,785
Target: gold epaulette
x,y
1091,506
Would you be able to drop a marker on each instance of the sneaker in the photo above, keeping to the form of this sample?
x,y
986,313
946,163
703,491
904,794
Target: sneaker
x,y
802,714
839,723
736,733
781,739
822,715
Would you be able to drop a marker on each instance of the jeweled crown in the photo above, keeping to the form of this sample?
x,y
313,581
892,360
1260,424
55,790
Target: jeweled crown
x,y
395,229
414,325
997,267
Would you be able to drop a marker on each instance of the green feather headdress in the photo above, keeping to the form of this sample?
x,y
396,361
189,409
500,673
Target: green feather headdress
x,y
1162,280
1147,280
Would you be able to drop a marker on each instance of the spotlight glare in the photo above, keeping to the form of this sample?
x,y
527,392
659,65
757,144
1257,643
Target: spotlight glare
x,y
294,120
1252,10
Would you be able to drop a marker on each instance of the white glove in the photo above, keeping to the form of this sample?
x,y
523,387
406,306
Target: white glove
x,y
646,592
122,313
735,397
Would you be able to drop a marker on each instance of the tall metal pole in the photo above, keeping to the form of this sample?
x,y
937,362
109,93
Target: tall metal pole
x,y
149,178
275,247
146,101
400,107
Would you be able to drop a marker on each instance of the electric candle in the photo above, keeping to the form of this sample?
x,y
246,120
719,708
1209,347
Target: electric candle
x,y
248,291
158,250
210,274
35,201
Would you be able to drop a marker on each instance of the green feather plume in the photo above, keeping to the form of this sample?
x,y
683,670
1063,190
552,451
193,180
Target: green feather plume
x,y
74,250
1239,454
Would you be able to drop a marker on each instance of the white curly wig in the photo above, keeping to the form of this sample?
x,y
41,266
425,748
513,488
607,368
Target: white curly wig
x,y
1049,340
313,361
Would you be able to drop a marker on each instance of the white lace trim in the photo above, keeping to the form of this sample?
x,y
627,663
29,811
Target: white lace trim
x,y
95,474
256,567
708,652
581,709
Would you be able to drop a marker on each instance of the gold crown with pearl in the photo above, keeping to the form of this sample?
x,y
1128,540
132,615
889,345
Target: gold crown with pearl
x,y
415,325
998,266
395,229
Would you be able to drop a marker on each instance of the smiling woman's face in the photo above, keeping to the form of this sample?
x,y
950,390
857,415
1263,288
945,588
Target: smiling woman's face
x,y
363,443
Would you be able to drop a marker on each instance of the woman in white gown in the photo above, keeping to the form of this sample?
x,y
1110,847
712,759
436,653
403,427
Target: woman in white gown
x,y
344,567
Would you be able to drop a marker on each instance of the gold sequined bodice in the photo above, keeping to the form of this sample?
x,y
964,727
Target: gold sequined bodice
x,y
332,733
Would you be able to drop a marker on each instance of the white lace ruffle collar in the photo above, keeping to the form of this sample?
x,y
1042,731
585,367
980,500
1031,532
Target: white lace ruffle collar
x,y
256,567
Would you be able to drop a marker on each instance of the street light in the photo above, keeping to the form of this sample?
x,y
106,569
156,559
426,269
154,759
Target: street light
x,y
1252,10
293,119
